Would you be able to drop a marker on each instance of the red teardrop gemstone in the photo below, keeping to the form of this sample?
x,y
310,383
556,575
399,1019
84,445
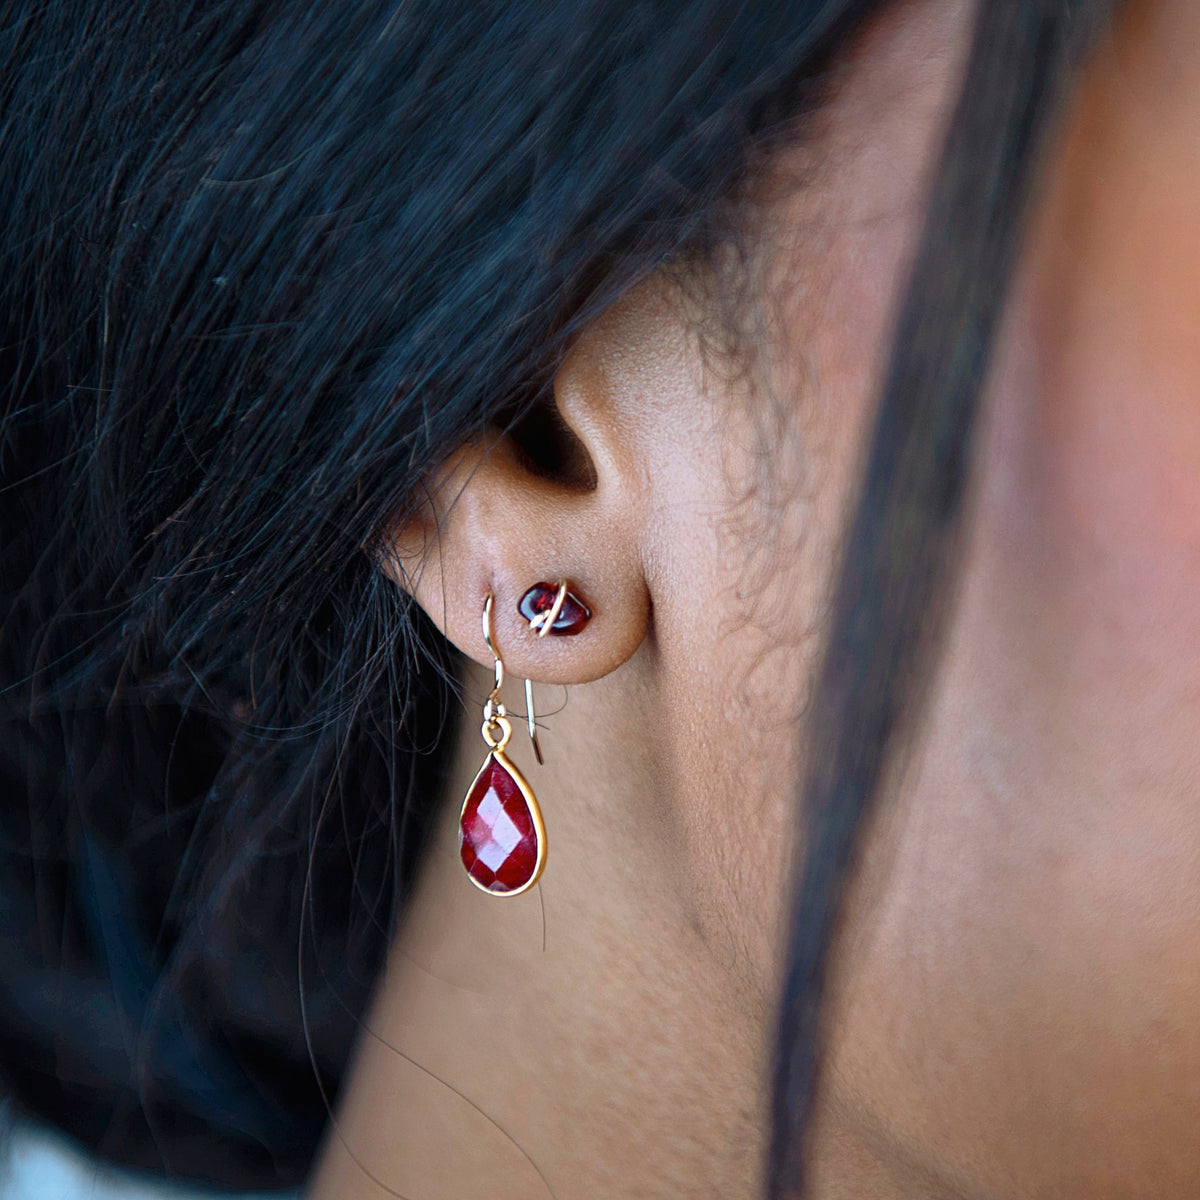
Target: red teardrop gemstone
x,y
497,837
572,617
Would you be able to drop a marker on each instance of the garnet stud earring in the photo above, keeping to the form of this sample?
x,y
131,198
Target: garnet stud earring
x,y
554,608
501,837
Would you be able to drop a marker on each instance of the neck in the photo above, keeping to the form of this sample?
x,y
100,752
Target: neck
x,y
584,1039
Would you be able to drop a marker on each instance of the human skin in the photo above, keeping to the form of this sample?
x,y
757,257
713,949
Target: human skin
x,y
1015,1010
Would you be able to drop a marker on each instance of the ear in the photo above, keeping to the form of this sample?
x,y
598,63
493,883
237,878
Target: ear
x,y
557,498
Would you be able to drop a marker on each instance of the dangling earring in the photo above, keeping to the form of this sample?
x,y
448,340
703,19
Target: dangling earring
x,y
501,837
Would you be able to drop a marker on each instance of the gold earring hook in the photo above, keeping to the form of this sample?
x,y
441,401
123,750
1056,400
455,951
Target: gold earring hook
x,y
494,701
490,638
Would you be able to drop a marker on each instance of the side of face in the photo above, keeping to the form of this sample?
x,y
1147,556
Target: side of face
x,y
1019,1007
1016,1008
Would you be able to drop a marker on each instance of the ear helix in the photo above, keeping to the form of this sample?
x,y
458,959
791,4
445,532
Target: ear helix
x,y
501,835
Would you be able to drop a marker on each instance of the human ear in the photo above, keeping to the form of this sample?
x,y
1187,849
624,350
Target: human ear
x,y
556,498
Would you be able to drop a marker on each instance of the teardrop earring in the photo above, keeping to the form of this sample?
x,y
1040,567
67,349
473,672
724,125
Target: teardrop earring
x,y
501,837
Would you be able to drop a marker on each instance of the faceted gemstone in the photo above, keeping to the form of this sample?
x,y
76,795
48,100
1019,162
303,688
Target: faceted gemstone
x,y
572,617
497,837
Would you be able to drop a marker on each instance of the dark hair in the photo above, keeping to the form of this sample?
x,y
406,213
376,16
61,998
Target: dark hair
x,y
262,265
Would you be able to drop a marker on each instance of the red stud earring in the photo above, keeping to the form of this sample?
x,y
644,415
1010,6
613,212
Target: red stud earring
x,y
554,608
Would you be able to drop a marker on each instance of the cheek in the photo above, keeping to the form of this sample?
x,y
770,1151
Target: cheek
x,y
1020,1010
1019,1001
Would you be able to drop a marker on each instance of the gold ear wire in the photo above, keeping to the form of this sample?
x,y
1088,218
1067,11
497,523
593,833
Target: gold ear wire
x,y
542,624
489,636
532,720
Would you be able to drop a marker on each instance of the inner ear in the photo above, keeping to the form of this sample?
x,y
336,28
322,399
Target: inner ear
x,y
549,448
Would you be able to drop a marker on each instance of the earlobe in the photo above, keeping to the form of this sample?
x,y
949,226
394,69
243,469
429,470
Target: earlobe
x,y
563,563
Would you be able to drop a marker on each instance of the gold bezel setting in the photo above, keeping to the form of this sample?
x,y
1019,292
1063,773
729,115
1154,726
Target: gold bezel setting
x,y
535,813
